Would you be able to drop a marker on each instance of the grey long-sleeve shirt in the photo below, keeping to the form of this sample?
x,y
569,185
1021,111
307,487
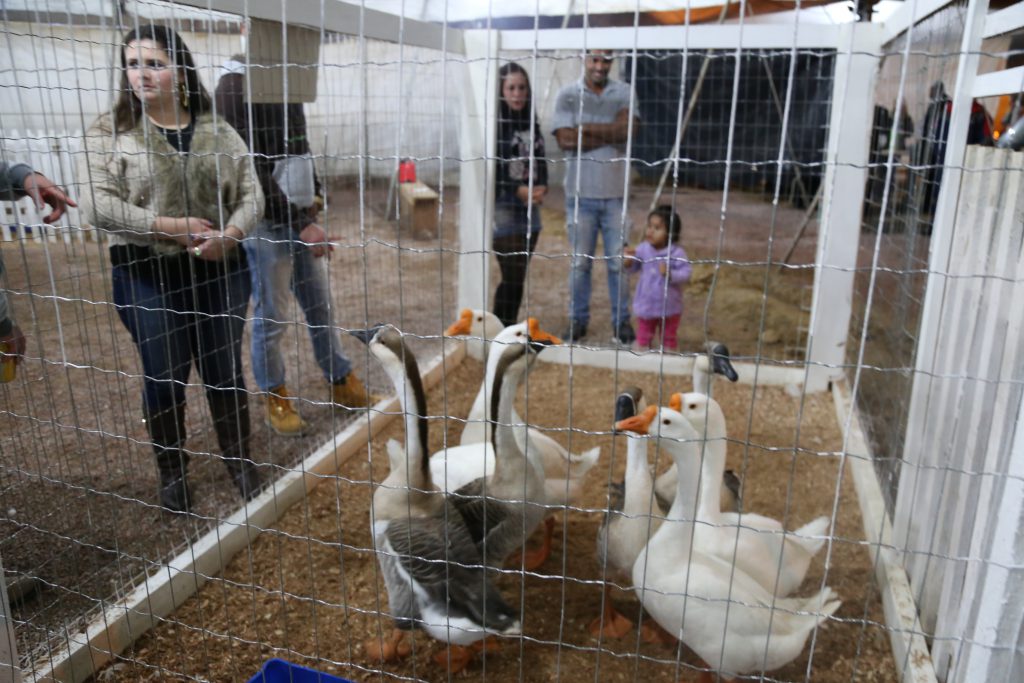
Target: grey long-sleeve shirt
x,y
12,186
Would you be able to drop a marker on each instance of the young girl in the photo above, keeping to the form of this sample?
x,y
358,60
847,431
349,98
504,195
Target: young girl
x,y
663,266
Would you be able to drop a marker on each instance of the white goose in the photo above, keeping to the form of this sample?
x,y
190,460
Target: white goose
x,y
431,566
564,472
628,524
719,611
503,509
714,361
775,558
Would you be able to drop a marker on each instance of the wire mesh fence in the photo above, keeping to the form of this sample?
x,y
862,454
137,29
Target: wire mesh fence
x,y
103,575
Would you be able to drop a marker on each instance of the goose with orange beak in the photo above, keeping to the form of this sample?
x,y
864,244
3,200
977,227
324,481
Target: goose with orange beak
x,y
760,546
501,510
430,563
718,610
564,472
633,516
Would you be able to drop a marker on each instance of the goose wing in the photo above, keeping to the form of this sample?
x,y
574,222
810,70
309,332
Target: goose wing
x,y
444,567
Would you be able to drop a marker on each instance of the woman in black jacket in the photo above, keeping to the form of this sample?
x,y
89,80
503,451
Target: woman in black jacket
x,y
521,184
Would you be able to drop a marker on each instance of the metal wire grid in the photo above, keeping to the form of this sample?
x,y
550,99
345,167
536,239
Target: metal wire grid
x,y
92,326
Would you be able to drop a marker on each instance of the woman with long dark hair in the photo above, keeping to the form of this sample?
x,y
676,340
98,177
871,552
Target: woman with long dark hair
x,y
521,183
173,188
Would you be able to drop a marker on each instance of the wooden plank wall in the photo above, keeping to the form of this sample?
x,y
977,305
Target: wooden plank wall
x,y
963,418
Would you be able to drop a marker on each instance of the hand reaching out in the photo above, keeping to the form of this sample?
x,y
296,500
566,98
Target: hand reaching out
x,y
44,192
316,238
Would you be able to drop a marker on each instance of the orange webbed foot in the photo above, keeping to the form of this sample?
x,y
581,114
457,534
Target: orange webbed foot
x,y
455,658
652,632
532,560
488,644
388,649
614,626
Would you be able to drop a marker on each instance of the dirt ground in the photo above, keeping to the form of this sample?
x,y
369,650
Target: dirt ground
x,y
74,466
309,590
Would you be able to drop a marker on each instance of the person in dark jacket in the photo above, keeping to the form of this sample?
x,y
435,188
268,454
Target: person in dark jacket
x,y
520,185
17,181
285,251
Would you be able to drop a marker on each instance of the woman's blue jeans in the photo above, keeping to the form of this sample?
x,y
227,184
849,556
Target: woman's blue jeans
x,y
281,263
181,311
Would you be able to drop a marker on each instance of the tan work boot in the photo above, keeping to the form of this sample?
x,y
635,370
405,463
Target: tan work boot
x,y
350,393
281,414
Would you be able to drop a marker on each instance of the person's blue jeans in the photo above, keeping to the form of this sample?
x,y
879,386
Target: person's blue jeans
x,y
583,224
179,311
280,262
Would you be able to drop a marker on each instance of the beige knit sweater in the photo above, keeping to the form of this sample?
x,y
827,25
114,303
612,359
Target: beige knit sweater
x,y
135,176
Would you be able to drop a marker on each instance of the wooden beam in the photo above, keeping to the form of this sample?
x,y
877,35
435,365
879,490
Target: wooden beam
x,y
846,158
910,651
1004,21
477,149
343,18
1005,82
764,373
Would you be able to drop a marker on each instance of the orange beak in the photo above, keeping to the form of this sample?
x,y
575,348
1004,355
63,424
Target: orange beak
x,y
638,424
676,402
461,326
540,335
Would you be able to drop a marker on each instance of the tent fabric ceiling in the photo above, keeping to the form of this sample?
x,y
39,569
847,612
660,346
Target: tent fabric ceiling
x,y
450,11
656,11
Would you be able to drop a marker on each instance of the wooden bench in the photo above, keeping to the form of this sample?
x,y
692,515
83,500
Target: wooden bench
x,y
417,210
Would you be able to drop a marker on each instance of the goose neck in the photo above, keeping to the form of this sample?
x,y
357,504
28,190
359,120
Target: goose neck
x,y
508,457
687,461
639,482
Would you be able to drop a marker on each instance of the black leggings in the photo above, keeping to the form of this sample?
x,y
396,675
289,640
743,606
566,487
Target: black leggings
x,y
513,253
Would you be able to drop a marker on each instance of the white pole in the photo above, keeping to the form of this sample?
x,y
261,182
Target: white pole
x,y
853,88
477,147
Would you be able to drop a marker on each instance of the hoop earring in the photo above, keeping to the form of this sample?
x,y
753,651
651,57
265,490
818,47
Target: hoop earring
x,y
183,93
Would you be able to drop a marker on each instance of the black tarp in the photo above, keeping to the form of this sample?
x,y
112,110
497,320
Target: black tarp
x,y
757,134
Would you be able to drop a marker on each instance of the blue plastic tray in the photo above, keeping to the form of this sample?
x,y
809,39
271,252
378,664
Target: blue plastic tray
x,y
280,671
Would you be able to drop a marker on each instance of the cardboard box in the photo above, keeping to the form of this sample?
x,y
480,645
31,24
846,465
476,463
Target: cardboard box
x,y
417,210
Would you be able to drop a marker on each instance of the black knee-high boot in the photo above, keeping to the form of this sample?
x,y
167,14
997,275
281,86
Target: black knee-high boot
x,y
167,430
230,411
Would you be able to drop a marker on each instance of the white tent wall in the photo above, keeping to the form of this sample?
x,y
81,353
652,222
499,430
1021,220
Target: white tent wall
x,y
61,75
410,106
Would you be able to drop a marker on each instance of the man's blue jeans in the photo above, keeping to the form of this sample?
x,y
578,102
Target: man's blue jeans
x,y
583,223
181,310
280,262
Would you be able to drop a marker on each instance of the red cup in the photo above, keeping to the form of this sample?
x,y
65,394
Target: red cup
x,y
406,171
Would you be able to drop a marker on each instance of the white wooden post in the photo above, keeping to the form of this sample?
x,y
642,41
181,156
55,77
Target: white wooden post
x,y
853,88
920,484
9,669
477,147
